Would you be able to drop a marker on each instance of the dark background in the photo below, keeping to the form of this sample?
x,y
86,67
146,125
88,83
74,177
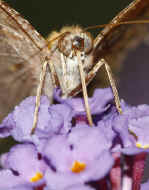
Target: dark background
x,y
48,15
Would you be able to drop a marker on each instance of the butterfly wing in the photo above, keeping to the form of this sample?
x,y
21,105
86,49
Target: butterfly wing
x,y
114,42
22,52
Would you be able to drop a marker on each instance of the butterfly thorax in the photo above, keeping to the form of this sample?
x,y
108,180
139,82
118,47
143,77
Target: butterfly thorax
x,y
64,57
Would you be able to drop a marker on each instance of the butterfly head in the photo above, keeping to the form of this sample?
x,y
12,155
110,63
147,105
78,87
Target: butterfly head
x,y
64,57
74,41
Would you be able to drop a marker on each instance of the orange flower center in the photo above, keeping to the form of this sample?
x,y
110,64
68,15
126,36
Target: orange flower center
x,y
78,167
37,177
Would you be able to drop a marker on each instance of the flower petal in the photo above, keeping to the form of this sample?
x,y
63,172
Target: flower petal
x,y
8,180
101,97
27,164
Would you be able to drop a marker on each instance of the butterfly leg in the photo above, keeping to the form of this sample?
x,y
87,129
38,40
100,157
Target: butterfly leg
x,y
55,81
38,95
84,89
113,85
93,72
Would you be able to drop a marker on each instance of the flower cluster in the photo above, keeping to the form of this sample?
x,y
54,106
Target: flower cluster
x,y
65,153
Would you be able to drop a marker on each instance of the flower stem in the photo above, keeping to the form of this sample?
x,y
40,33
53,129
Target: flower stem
x,y
115,173
138,170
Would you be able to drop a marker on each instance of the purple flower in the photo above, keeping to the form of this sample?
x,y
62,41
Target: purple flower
x,y
7,126
75,187
20,187
80,187
65,153
52,119
145,186
24,167
106,122
79,157
132,127
99,103
3,160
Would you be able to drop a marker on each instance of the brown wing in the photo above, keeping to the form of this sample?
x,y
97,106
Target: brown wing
x,y
114,42
20,58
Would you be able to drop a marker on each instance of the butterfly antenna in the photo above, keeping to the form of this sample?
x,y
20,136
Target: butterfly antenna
x,y
118,24
38,95
89,28
56,38
84,89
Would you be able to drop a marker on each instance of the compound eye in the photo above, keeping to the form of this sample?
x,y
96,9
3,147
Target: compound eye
x,y
81,41
88,42
65,44
78,43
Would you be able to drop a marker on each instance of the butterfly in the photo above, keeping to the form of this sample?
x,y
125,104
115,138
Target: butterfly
x,y
23,51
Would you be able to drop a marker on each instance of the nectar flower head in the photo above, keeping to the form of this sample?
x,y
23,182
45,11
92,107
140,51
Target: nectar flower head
x,y
75,187
20,187
75,155
24,167
52,119
99,103
132,127
65,152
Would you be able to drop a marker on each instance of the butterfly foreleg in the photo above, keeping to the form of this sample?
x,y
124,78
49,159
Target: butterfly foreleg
x,y
84,89
38,94
93,72
113,85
